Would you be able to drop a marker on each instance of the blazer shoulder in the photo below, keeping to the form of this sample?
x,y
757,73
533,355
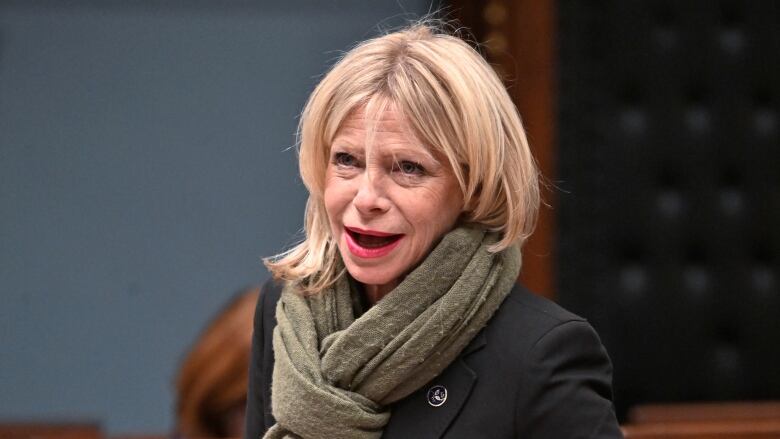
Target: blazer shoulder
x,y
524,318
269,295
258,408
522,303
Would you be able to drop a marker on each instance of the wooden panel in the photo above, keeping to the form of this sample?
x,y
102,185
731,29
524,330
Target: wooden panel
x,y
49,431
518,38
705,430
146,436
162,436
716,411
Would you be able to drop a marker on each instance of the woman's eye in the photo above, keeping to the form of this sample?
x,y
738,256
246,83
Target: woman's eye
x,y
344,159
410,168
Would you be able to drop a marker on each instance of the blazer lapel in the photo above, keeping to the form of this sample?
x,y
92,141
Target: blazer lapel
x,y
418,416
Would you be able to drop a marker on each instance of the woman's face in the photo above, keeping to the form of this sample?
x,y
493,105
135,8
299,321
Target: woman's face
x,y
388,202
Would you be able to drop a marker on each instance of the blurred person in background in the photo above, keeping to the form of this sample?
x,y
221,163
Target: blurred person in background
x,y
212,381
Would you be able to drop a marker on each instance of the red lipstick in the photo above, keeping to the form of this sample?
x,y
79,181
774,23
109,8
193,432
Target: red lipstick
x,y
370,243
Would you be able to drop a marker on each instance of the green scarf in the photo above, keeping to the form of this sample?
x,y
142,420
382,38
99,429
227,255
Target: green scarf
x,y
335,373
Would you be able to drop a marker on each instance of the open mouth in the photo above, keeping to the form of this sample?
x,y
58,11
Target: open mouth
x,y
371,244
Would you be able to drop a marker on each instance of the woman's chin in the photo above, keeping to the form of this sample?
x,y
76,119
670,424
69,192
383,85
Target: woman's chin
x,y
371,275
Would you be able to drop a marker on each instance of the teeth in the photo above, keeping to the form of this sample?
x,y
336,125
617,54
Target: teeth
x,y
369,241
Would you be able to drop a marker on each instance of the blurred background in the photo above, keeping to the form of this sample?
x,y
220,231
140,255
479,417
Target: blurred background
x,y
146,167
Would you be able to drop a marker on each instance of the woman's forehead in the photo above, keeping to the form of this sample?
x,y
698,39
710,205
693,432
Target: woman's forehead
x,y
382,131
387,120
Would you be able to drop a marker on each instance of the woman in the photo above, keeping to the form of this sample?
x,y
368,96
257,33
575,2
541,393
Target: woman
x,y
398,315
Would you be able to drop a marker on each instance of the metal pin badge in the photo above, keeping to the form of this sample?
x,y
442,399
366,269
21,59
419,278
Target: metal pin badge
x,y
437,395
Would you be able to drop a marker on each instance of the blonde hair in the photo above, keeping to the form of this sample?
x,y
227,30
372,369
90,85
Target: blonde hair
x,y
212,381
454,103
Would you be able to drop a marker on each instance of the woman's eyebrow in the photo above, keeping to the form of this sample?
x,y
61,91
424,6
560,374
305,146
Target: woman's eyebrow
x,y
414,154
345,145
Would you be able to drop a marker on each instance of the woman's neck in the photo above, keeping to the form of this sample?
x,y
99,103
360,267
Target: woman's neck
x,y
375,293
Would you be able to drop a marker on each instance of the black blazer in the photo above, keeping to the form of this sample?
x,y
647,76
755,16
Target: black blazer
x,y
535,371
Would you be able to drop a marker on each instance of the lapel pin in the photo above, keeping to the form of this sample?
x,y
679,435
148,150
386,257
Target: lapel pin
x,y
437,395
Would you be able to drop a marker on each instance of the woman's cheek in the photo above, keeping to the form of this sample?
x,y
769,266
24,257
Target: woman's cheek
x,y
337,194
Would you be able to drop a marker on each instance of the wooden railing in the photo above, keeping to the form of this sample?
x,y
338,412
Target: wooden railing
x,y
31,430
727,420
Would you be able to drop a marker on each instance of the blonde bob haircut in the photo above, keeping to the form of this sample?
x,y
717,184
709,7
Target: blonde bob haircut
x,y
453,102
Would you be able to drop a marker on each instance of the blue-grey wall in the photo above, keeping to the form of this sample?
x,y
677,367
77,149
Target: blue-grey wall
x,y
144,171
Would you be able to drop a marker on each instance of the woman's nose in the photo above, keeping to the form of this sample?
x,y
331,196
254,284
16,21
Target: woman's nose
x,y
370,198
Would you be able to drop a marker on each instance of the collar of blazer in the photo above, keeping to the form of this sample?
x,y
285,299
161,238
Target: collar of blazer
x,y
414,417
479,341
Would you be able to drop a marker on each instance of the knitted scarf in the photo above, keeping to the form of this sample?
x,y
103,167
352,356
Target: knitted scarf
x,y
336,371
